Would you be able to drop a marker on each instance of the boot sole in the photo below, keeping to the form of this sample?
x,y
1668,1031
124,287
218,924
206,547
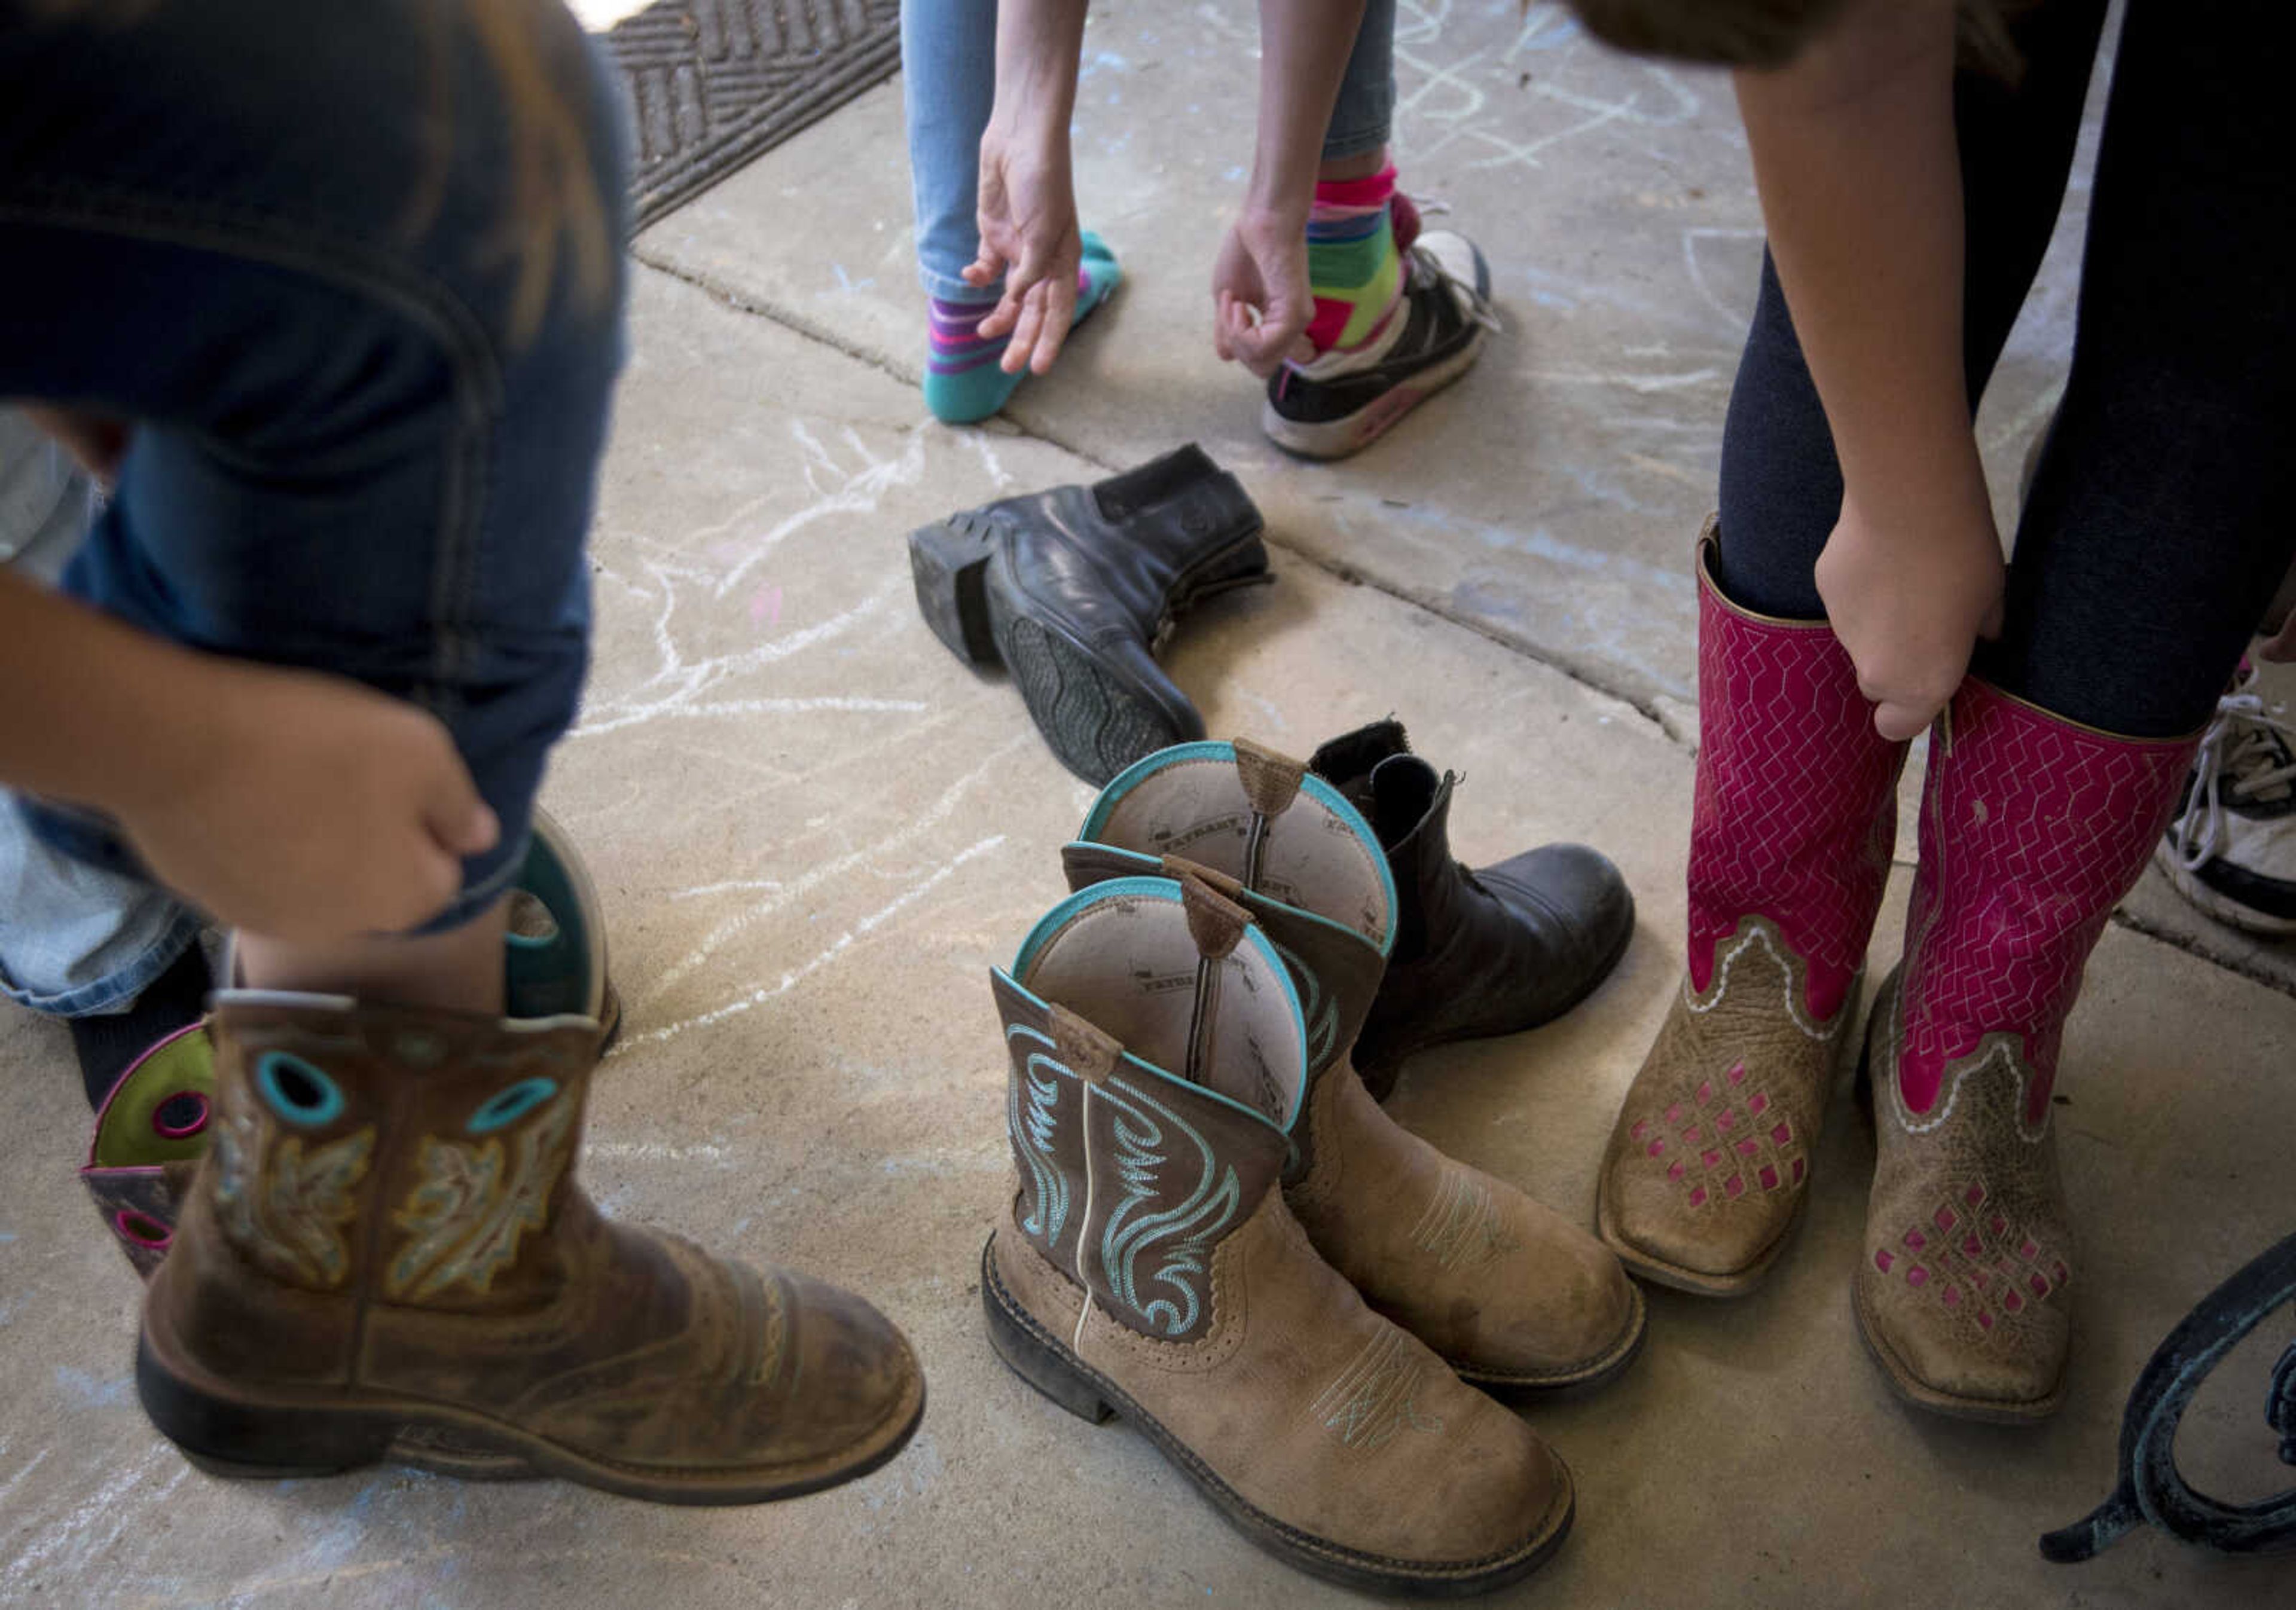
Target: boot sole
x,y
233,1435
1096,721
1044,1362
1389,1068
1583,1379
1351,433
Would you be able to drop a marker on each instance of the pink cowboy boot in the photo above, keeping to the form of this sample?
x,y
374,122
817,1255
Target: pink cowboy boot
x,y
2033,829
1790,839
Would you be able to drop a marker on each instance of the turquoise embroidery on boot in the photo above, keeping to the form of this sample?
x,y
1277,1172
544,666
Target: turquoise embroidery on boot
x,y
1184,1234
1032,1135
297,1091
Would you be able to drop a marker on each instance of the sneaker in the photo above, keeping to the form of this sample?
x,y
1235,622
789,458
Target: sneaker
x,y
1346,400
2232,849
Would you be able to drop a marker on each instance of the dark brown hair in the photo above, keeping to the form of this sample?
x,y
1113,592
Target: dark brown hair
x,y
1767,33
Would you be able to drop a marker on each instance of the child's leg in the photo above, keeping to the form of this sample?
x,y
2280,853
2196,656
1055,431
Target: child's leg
x,y
2155,533
1781,487
1392,325
365,443
948,84
1794,814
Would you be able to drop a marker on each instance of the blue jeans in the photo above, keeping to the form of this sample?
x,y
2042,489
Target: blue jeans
x,y
74,941
277,236
948,84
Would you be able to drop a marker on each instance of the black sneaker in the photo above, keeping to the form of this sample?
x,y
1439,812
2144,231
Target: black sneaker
x,y
2232,849
1345,401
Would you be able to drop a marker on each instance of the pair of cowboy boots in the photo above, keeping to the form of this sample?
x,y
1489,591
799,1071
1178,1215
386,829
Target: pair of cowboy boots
x,y
2032,829
365,1242
1218,1235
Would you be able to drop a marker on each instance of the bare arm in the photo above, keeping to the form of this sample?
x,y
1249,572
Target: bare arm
x,y
1855,154
1259,285
298,805
1028,212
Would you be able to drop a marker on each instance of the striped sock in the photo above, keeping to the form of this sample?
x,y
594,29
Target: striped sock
x,y
961,381
1354,265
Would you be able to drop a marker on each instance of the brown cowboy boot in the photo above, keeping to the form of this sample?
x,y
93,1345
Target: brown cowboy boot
x,y
150,1129
1512,1294
1149,1267
2033,829
1791,832
386,1246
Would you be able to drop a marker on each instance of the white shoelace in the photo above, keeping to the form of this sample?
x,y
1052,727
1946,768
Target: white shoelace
x,y
2242,755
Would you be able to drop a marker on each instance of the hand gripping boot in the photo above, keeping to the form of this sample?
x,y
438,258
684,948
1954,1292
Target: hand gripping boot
x,y
2033,829
1513,1295
1075,590
1492,952
1149,1268
151,1129
386,1250
1791,828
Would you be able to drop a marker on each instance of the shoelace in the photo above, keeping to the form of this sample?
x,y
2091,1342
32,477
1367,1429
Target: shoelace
x,y
1479,307
2243,754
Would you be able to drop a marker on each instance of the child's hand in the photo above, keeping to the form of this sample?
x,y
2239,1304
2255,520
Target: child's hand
x,y
1909,602
1260,297
1029,234
312,809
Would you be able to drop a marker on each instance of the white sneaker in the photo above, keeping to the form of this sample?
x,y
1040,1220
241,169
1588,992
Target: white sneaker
x,y
2232,849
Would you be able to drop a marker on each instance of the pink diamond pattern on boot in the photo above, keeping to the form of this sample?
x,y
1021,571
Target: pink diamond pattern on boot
x,y
1770,1158
1959,1264
2032,831
1794,812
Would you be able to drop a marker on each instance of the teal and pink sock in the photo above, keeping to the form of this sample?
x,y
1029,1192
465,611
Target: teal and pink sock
x,y
964,383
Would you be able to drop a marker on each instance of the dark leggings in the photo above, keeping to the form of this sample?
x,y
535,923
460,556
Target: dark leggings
x,y
2162,512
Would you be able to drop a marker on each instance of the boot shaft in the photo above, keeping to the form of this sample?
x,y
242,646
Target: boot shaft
x,y
2033,828
1152,541
1157,1064
383,1154
1794,816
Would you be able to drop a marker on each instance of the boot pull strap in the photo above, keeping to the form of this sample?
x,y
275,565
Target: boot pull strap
x,y
1089,1053
1215,922
1179,869
1271,781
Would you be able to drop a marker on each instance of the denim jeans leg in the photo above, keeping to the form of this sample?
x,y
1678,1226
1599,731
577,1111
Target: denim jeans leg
x,y
948,84
1363,119
362,444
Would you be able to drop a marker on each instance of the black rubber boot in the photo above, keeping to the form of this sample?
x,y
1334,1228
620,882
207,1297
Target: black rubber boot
x,y
1074,591
1493,951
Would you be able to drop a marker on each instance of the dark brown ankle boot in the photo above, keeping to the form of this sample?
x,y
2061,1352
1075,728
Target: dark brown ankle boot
x,y
386,1249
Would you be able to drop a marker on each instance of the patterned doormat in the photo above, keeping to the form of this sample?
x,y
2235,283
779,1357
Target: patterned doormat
x,y
717,82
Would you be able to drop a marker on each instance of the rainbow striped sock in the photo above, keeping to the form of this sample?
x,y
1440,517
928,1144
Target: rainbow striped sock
x,y
1354,265
963,383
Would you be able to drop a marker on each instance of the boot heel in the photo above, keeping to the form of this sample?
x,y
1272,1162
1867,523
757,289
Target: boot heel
x,y
1030,1356
950,563
245,1441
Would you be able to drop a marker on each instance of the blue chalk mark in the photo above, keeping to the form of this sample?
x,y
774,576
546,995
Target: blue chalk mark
x,y
89,1393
